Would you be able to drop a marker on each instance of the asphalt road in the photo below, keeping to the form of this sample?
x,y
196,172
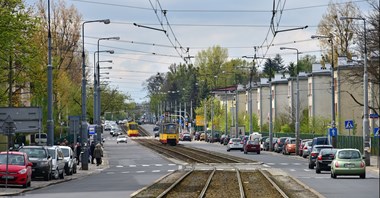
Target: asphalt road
x,y
131,167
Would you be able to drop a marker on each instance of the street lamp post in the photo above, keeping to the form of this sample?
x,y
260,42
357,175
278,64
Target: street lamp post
x,y
84,135
297,127
98,127
96,82
50,119
330,37
366,139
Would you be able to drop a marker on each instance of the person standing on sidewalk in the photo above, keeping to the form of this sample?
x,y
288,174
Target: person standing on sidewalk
x,y
98,154
92,148
78,150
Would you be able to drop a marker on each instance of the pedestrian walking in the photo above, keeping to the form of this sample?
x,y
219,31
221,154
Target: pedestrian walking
x,y
78,150
92,148
98,154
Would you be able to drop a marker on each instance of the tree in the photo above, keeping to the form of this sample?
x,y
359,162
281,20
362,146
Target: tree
x,y
272,66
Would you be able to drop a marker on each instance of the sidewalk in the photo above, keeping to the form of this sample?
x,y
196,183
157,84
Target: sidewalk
x,y
375,166
92,169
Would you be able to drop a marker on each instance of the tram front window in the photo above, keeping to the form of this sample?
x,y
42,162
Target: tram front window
x,y
170,129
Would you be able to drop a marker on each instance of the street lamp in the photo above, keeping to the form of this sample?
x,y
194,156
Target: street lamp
x,y
84,120
366,146
98,127
297,127
330,39
96,83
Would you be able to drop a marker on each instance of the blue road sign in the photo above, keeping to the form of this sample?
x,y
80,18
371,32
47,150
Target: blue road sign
x,y
373,115
376,132
349,124
91,130
333,132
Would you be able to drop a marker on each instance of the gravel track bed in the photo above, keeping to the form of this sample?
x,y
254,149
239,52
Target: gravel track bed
x,y
256,185
160,186
223,184
191,186
239,159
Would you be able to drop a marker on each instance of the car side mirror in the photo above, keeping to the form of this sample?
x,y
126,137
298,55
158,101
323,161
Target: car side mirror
x,y
49,157
71,157
30,164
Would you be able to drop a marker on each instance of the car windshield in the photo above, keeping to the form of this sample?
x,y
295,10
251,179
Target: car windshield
x,y
318,149
13,159
349,154
52,153
327,152
66,152
309,143
236,140
170,128
322,141
255,141
34,152
292,141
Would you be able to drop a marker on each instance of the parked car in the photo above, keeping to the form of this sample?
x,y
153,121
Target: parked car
x,y
320,141
19,169
215,137
197,135
41,160
280,144
348,162
289,146
314,154
301,145
58,161
186,137
202,137
121,139
252,146
226,140
235,144
156,128
266,143
157,134
70,160
306,150
324,160
262,141
222,139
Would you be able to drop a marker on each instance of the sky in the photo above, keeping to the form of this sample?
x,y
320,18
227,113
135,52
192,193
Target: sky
x,y
237,25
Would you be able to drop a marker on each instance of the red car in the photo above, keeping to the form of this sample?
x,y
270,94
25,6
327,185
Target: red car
x,y
19,169
252,146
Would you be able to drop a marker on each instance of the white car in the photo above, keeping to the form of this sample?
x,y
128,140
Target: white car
x,y
235,144
70,160
121,138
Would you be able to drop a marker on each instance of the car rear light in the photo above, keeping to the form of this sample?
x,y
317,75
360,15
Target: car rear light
x,y
319,157
241,142
362,164
305,147
313,154
230,143
337,164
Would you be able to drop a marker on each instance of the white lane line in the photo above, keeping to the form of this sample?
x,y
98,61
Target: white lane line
x,y
110,173
271,163
180,167
297,164
171,170
292,170
140,171
125,172
155,171
307,170
145,165
265,165
158,164
171,164
219,169
285,164
119,166
132,165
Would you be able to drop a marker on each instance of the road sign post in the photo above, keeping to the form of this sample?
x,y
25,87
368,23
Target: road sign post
x,y
349,124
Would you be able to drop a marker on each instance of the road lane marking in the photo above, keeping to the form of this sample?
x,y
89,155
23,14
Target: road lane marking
x,y
119,166
265,165
271,163
145,165
171,164
110,173
158,164
140,171
132,165
292,170
307,170
171,170
297,164
125,172
284,164
155,171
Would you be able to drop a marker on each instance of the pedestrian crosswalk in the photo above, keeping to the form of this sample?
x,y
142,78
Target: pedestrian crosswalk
x,y
142,168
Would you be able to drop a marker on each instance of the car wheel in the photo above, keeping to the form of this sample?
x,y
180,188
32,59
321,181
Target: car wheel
x,y
333,175
317,170
117,142
228,150
258,152
245,152
25,185
311,166
75,168
29,184
362,176
304,156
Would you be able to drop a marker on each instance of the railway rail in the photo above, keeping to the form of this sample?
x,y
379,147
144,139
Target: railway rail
x,y
143,132
217,183
190,154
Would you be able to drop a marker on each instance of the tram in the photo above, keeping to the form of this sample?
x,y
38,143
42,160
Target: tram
x,y
132,129
169,133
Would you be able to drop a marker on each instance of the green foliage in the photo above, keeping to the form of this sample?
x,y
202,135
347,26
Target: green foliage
x,y
286,128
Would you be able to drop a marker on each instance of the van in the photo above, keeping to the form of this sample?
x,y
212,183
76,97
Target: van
x,y
40,138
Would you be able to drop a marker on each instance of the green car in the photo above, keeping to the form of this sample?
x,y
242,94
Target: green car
x,y
348,162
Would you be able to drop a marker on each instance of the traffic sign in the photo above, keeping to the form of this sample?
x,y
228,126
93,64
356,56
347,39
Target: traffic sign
x,y
91,129
373,115
333,132
349,124
376,132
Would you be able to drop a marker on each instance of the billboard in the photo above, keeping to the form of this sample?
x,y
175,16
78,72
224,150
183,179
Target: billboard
x,y
199,120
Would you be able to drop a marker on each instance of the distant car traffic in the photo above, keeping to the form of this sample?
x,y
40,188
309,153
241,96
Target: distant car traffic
x,y
348,162
235,144
314,154
121,139
324,160
252,146
19,169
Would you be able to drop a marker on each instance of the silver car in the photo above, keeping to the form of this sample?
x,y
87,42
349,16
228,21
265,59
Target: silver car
x,y
306,149
235,144
70,160
58,162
